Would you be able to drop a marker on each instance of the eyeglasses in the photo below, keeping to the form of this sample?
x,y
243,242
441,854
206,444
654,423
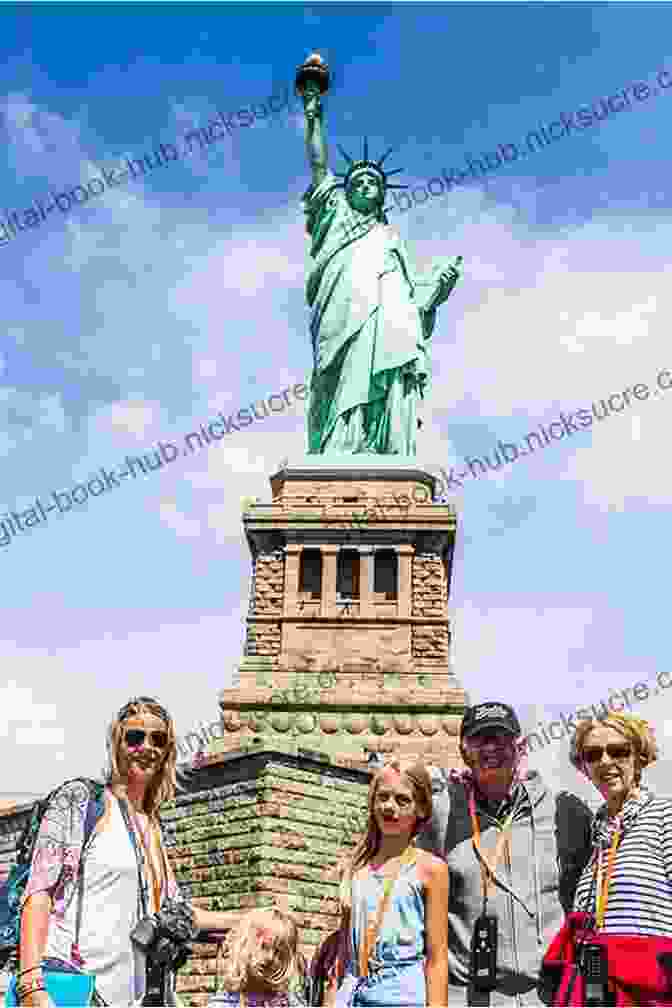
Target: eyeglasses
x,y
141,701
593,754
136,736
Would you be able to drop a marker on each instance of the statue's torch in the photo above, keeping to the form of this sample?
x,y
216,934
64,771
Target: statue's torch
x,y
312,80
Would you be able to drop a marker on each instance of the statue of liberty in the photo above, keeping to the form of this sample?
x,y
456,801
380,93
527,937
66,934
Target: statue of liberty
x,y
372,316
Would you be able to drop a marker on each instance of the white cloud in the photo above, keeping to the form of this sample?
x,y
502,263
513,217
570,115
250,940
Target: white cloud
x,y
170,515
547,304
501,647
222,475
136,418
206,368
625,462
33,723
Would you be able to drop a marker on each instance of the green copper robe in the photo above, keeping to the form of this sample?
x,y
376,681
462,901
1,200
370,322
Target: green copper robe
x,y
370,338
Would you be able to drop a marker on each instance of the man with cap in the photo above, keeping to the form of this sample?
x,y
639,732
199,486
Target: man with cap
x,y
515,851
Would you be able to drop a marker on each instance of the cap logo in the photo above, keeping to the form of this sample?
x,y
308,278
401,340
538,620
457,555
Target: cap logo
x,y
491,710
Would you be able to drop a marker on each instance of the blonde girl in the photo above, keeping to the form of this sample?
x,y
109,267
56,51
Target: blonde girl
x,y
263,964
394,902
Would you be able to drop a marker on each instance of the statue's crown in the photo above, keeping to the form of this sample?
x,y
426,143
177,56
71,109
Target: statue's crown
x,y
364,164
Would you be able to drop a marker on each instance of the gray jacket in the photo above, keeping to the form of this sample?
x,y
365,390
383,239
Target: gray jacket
x,y
549,845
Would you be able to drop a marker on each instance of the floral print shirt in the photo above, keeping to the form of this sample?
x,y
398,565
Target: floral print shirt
x,y
59,849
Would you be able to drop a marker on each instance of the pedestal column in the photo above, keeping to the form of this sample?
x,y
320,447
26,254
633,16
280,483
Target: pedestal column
x,y
404,566
329,558
292,562
367,609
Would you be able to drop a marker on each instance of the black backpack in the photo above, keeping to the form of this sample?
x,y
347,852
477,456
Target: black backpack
x,y
13,887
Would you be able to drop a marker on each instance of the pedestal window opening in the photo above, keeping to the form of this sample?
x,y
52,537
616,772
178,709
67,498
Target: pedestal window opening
x,y
310,572
386,574
347,574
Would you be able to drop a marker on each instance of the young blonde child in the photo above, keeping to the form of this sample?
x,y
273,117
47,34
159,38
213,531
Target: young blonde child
x,y
264,966
394,903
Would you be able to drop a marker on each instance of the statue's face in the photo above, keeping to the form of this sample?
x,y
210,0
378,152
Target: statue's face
x,y
365,192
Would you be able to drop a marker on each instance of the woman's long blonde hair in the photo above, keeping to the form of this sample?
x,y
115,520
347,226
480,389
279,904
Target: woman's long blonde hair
x,y
417,775
242,966
162,787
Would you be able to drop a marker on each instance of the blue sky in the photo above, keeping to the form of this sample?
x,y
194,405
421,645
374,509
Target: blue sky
x,y
138,315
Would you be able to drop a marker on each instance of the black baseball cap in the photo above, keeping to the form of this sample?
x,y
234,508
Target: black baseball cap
x,y
489,716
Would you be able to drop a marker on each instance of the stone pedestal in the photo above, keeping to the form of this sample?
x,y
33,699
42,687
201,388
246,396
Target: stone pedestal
x,y
348,635
261,829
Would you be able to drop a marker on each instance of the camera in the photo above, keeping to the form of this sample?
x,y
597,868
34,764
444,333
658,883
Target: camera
x,y
595,972
484,953
157,985
146,935
163,938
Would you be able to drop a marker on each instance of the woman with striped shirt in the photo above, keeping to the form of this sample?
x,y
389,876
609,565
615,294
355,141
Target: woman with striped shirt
x,y
612,753
623,904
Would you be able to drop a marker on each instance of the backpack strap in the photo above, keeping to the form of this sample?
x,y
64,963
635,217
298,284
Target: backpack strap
x,y
96,795
75,953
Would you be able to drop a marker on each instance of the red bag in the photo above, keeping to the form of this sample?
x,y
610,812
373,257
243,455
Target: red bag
x,y
640,966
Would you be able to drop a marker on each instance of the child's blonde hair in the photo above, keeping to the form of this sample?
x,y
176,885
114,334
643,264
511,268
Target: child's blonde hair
x,y
243,966
417,775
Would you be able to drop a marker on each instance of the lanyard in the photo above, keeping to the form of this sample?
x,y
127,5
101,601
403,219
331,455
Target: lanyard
x,y
486,864
142,883
603,878
149,846
373,927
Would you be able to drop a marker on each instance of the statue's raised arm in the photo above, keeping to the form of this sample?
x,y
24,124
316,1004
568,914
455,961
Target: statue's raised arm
x,y
372,314
312,81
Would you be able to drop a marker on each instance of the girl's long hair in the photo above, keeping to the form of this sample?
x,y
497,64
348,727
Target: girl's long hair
x,y
162,786
418,777
243,967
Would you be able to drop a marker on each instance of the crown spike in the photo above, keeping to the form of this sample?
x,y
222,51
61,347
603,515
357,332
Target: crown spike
x,y
345,154
385,155
402,185
366,148
394,171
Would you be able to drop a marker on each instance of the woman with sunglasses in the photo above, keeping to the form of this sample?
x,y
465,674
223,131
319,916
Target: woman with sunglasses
x,y
623,902
123,856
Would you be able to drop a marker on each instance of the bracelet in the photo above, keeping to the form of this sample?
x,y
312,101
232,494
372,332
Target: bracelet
x,y
29,988
29,970
24,993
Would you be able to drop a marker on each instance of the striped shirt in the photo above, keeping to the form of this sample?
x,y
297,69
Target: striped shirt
x,y
640,894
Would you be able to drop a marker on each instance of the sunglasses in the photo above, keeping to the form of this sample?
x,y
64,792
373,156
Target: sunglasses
x,y
136,736
593,754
